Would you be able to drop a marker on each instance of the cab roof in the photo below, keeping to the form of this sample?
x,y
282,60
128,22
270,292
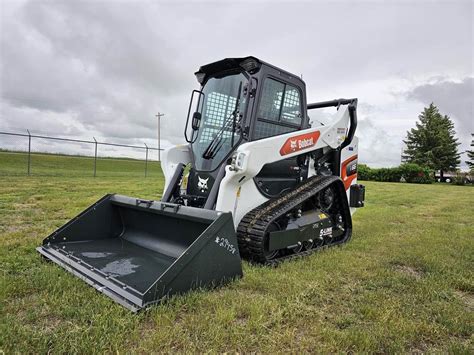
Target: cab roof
x,y
250,64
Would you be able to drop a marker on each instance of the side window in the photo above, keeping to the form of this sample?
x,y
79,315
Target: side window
x,y
270,104
279,110
291,111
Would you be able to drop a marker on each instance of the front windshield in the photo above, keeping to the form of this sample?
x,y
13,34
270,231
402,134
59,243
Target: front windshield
x,y
220,106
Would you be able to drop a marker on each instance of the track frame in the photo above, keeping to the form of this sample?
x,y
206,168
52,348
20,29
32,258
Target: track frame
x,y
253,230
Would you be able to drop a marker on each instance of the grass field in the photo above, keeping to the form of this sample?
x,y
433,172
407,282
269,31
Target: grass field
x,y
16,164
404,283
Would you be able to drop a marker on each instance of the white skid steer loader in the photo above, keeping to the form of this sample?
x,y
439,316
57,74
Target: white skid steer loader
x,y
255,180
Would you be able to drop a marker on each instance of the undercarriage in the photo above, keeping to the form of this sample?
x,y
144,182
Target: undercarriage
x,y
312,216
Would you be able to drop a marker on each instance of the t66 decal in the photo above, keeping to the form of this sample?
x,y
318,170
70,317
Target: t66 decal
x,y
349,171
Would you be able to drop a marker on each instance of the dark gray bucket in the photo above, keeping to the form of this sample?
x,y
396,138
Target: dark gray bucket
x,y
138,252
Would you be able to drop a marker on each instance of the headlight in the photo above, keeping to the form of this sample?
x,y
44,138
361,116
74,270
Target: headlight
x,y
239,161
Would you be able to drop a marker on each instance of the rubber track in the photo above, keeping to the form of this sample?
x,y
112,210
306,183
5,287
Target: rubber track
x,y
253,226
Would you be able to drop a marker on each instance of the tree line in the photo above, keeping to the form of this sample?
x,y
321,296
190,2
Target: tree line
x,y
430,146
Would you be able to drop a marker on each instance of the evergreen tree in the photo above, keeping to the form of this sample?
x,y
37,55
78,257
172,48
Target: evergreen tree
x,y
433,143
470,155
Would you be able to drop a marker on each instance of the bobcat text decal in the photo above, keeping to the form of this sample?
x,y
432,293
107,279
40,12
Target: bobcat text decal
x,y
299,142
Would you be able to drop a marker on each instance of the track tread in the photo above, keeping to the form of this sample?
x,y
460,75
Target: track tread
x,y
253,227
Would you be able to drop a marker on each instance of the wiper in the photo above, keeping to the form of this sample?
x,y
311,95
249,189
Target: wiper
x,y
218,141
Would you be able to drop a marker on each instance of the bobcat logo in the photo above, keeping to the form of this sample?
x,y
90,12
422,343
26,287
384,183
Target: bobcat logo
x,y
202,184
293,145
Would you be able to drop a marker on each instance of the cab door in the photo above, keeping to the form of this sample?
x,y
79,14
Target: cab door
x,y
279,111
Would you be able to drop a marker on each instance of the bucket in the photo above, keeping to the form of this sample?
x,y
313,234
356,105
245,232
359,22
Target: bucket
x,y
138,251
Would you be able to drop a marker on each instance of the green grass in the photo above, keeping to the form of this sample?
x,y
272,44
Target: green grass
x,y
404,283
41,164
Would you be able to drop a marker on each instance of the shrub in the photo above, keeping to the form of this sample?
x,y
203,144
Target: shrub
x,y
462,179
458,179
364,172
415,173
406,172
389,174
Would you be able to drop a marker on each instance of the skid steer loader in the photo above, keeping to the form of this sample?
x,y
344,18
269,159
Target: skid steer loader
x,y
255,180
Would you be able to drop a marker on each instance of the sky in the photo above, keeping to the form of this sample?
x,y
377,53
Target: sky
x,y
103,69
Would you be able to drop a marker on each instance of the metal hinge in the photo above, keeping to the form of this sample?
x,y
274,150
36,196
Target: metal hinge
x,y
174,206
147,203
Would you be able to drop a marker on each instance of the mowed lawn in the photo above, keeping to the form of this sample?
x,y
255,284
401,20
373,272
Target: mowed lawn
x,y
404,283
16,164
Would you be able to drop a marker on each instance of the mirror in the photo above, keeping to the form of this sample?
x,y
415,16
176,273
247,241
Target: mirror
x,y
197,100
196,122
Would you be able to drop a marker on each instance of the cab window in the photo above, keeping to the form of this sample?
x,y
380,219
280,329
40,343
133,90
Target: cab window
x,y
279,110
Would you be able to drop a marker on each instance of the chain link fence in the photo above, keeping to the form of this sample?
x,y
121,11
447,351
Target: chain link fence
x,y
32,154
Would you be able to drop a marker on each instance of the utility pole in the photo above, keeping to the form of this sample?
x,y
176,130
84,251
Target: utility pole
x,y
159,115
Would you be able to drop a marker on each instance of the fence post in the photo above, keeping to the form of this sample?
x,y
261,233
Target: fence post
x,y
29,152
95,158
146,160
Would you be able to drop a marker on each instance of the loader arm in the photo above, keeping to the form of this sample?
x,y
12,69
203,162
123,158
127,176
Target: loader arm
x,y
171,159
250,157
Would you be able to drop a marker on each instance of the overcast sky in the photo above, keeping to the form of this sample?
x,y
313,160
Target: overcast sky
x,y
104,68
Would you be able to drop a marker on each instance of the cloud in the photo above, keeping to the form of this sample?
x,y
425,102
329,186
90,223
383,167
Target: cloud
x,y
452,98
99,68
377,147
104,69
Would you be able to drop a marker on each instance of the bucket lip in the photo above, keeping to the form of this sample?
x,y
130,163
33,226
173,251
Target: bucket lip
x,y
128,297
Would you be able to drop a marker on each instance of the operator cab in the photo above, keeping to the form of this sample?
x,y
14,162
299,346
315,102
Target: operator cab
x,y
241,99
